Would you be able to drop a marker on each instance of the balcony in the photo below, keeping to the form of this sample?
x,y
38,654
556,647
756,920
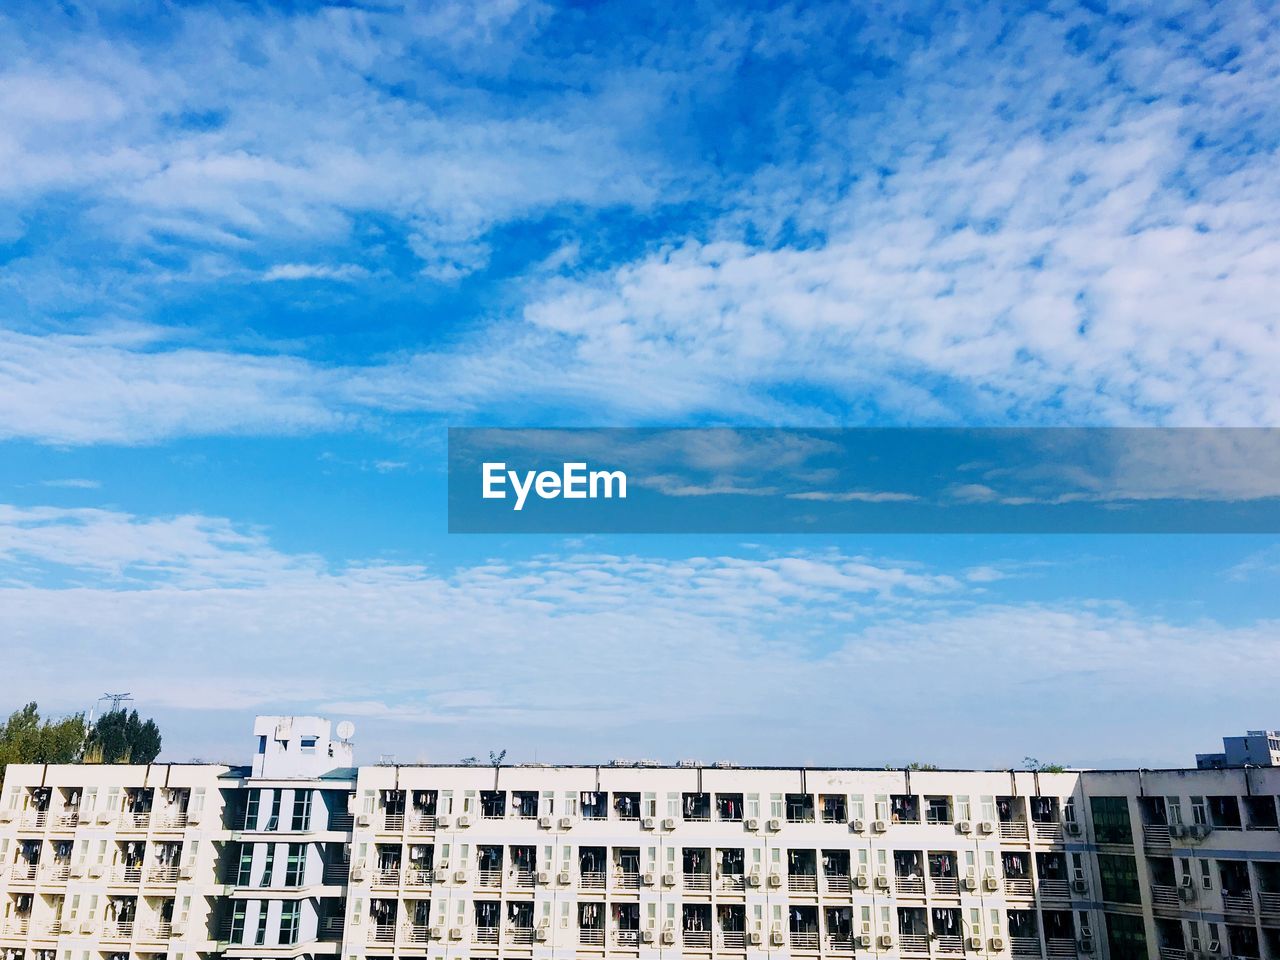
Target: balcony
x,y
1049,831
419,877
23,872
699,882
518,936
382,933
417,933
802,883
341,822
1239,903
67,821
627,880
487,935
163,876
909,886
591,936
336,874
173,821
1166,897
117,930
1269,903
592,880
733,940
1156,835
1018,888
489,878
1172,953
526,878
629,939
1054,890
35,819
423,823
127,875
1061,949
1013,830
393,823
1025,946
160,932
837,943
48,931
386,877
911,944
944,886
804,940
838,884
948,943
696,939
331,929
135,821
16,927
732,881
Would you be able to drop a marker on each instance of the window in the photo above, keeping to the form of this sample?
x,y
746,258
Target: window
x,y
1173,805
775,806
308,744
260,934
1126,937
964,810
290,914
294,865
269,865
1119,875
301,810
1111,819
251,809
237,922
245,868
273,821
1199,812
262,745
1206,875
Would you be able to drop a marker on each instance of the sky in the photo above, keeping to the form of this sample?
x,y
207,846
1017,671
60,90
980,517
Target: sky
x,y
255,259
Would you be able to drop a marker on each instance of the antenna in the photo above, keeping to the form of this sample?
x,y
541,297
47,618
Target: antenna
x,y
116,699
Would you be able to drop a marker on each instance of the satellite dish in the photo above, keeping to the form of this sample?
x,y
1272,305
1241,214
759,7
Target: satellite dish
x,y
345,729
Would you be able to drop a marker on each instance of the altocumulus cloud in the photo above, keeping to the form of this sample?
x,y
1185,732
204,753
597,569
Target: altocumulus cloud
x,y
1067,217
840,645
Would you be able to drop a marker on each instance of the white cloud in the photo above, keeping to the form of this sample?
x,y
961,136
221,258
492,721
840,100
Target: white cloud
x,y
316,271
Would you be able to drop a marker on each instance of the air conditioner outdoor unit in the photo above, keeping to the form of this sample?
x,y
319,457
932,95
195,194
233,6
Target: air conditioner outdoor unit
x,y
1187,894
776,938
459,876
751,823
193,819
647,878
178,930
1086,944
990,883
669,823
77,871
857,826
465,820
95,873
6,816
975,943
1073,828
364,820
542,934
774,824
436,933
754,938
86,928
669,879
886,940
753,880
455,933
1079,886
443,822
566,823
862,881
964,826
104,818
1177,830
775,880
188,872
986,826
879,826
996,943
882,882
668,937
563,878
357,873
970,883
647,936
544,876
864,941
544,823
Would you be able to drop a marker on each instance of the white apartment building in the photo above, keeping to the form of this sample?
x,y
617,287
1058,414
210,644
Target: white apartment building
x,y
301,854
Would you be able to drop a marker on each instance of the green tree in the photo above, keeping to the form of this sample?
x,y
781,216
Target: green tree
x,y
25,738
1031,763
122,736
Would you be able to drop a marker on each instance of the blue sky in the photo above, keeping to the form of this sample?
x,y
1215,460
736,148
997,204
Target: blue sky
x,y
255,259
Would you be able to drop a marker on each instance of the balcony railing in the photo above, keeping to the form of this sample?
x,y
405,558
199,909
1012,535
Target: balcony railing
x,y
417,933
161,931
732,881
393,823
23,872
948,943
1048,831
591,936
696,939
733,940
1166,896
162,875
1269,902
1017,888
945,886
840,943
117,930
336,874
17,927
386,877
486,935
48,931
135,821
837,883
67,821
1024,946
382,933
1054,890
523,878
341,822
1237,903
802,883
1155,834
913,944
1173,953
129,875
489,878
518,936
331,929
697,881
1062,948
591,881
35,818
909,886
626,880
1013,830
804,940
173,821
626,938
423,823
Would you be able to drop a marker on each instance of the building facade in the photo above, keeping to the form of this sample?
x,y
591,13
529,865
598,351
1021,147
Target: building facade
x,y
1257,748
301,854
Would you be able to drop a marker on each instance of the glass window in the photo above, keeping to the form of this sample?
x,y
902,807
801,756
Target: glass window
x,y
1119,876
1111,819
